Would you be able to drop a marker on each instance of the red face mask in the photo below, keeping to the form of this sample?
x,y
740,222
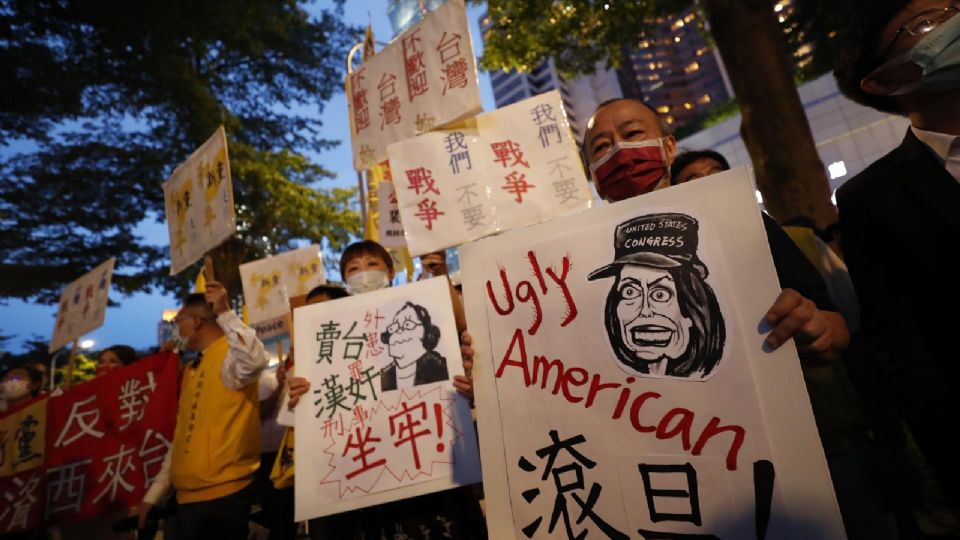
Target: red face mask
x,y
630,169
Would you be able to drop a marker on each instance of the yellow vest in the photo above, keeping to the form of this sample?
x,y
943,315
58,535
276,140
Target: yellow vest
x,y
216,446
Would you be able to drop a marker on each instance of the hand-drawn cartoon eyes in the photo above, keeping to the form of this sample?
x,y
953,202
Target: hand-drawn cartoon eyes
x,y
407,325
660,294
630,292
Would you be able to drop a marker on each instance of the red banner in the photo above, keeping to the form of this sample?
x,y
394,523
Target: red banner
x,y
106,439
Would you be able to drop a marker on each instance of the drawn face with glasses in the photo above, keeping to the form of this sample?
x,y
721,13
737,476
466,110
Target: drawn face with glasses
x,y
410,334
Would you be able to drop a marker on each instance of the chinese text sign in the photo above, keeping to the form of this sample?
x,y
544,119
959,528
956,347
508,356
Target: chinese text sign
x,y
83,305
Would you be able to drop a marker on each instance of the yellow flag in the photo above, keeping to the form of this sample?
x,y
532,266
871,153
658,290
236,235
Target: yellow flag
x,y
282,472
200,285
244,315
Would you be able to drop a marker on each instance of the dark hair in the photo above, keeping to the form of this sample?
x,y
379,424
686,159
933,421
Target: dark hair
x,y
431,332
682,160
698,303
857,50
33,374
199,301
366,247
331,291
125,353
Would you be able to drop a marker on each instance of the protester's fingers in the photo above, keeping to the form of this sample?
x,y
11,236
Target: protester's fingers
x,y
465,338
790,323
817,336
788,300
463,385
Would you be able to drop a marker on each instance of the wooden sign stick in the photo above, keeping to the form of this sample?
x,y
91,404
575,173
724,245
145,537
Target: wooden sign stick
x,y
208,273
71,362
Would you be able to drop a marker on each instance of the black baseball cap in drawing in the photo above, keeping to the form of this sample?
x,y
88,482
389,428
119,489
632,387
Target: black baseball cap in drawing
x,y
656,240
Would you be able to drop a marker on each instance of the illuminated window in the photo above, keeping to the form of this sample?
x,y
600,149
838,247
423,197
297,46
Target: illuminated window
x,y
652,66
678,24
663,109
702,51
688,106
692,67
803,50
653,77
690,17
670,119
676,39
704,99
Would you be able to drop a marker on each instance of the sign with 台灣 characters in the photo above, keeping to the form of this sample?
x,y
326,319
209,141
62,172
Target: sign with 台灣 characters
x,y
382,421
106,439
622,383
83,305
389,224
509,168
425,78
198,198
22,434
268,285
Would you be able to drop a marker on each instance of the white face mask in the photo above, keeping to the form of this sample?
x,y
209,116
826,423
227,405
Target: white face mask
x,y
14,390
367,281
179,342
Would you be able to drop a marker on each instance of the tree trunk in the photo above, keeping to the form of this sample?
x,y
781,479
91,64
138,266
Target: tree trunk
x,y
790,175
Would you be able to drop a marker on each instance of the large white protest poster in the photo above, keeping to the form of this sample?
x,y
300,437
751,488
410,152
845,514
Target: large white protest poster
x,y
198,198
268,285
425,78
83,305
512,167
622,384
382,421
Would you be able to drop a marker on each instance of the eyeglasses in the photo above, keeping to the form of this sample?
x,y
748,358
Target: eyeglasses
x,y
923,23
407,325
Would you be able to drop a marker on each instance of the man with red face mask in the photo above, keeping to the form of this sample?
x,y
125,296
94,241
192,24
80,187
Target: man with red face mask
x,y
629,150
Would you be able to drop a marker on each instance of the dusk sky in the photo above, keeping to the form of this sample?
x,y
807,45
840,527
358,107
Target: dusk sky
x,y
134,321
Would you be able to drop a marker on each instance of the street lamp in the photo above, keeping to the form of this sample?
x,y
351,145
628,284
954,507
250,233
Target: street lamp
x,y
87,344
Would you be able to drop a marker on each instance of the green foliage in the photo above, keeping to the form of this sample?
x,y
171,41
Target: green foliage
x,y
84,368
716,114
99,103
578,35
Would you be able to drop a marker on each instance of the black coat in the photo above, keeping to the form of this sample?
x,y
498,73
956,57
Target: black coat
x,y
900,225
431,367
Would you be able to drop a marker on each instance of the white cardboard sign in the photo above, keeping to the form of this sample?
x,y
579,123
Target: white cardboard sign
x,y
512,167
382,421
388,217
621,377
425,78
269,283
198,198
83,305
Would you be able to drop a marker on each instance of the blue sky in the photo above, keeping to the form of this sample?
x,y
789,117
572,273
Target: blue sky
x,y
134,321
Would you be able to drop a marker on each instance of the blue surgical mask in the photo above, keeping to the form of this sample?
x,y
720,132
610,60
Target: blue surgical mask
x,y
938,54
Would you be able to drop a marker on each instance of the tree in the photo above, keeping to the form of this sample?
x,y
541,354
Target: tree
x,y
746,32
100,103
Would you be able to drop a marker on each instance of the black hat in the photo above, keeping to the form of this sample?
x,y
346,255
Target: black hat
x,y
655,240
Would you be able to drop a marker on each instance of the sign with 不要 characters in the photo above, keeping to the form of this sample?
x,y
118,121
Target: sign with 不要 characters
x,y
512,167
622,383
383,421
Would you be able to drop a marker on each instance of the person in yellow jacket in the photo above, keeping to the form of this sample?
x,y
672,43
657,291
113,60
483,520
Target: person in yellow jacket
x,y
216,444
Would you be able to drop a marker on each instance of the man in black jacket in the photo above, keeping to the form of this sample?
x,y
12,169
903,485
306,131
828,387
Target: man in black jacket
x,y
900,218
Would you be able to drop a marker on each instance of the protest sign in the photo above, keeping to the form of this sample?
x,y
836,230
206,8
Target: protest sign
x,y
383,421
22,436
83,305
623,387
106,439
515,166
268,285
390,227
198,198
425,78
